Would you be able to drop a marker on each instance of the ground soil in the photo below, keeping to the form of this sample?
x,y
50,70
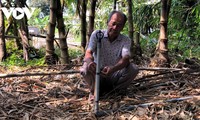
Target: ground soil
x,y
163,95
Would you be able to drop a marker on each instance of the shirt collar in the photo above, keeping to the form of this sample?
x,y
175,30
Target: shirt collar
x,y
106,35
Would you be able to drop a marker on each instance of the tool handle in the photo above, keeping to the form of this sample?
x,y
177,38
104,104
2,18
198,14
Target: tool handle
x,y
99,36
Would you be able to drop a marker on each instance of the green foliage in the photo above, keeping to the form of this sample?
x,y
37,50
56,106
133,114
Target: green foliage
x,y
39,19
146,17
71,19
74,53
14,60
183,27
36,21
69,2
10,46
15,56
36,62
41,4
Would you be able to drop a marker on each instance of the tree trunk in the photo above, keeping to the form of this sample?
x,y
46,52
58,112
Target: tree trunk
x,y
61,29
2,37
25,43
12,24
23,31
161,57
137,44
10,20
130,26
17,40
115,5
91,19
51,57
83,25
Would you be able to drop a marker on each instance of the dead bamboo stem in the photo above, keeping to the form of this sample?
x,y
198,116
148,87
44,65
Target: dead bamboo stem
x,y
161,69
172,71
38,73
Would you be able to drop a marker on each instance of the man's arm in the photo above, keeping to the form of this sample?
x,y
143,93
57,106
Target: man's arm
x,y
88,56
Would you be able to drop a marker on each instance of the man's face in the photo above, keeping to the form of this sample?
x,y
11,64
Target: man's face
x,y
115,25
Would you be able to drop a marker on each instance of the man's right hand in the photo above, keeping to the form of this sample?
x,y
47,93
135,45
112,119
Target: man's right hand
x,y
92,67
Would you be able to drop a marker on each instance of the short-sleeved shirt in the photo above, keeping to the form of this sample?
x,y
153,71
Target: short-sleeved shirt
x,y
110,52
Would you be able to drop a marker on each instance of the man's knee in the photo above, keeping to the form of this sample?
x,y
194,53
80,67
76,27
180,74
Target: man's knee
x,y
134,69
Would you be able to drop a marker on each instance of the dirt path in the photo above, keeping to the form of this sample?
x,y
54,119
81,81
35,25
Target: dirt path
x,y
39,42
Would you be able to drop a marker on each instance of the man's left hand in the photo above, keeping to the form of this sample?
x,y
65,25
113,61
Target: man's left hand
x,y
107,70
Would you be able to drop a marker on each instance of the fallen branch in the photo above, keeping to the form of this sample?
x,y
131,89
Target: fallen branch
x,y
162,69
151,76
156,77
75,45
41,36
16,37
68,66
174,72
166,83
38,73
